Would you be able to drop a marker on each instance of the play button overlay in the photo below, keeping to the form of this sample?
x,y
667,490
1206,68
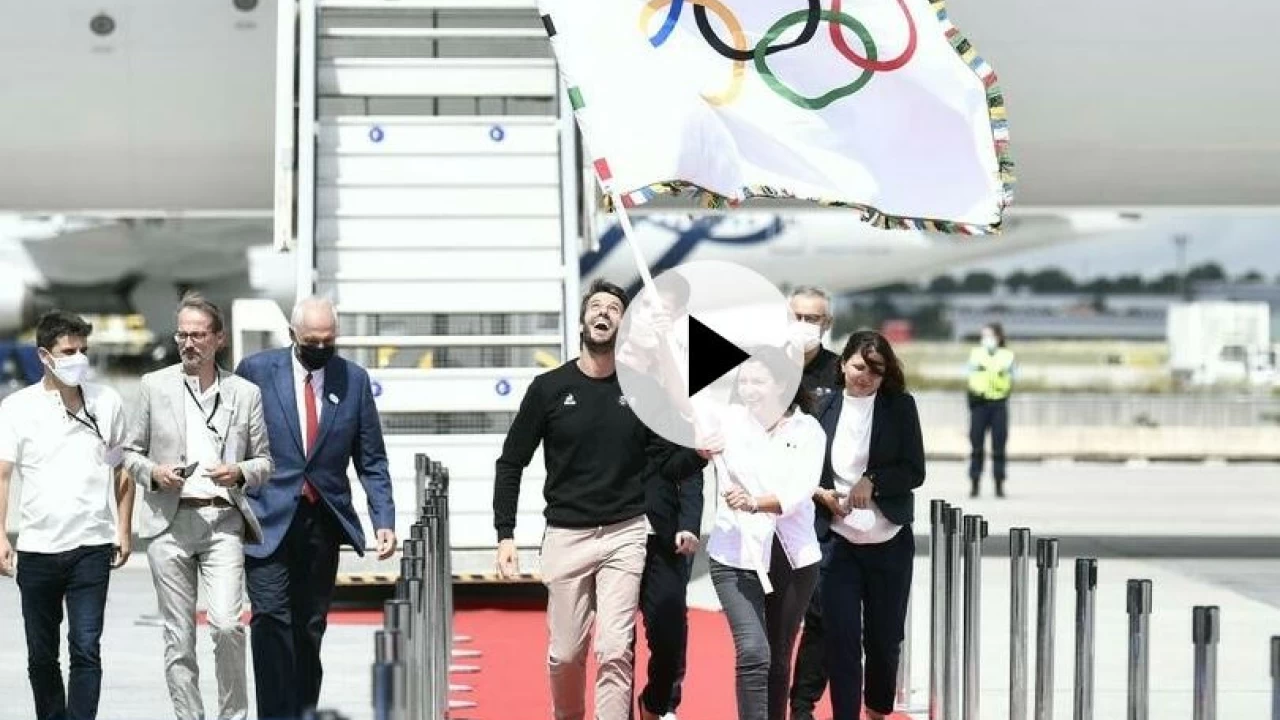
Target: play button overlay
x,y
710,356
710,340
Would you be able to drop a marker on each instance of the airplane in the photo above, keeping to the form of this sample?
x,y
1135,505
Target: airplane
x,y
151,124
125,267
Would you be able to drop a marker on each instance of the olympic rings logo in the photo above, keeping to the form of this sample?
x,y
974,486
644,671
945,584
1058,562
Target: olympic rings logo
x,y
738,51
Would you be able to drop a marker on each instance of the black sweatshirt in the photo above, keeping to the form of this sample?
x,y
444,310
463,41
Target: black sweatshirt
x,y
598,454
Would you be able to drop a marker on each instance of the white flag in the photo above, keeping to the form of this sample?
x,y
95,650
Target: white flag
x,y
875,104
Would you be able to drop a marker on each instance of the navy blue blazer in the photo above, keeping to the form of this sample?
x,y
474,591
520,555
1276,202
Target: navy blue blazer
x,y
349,432
896,462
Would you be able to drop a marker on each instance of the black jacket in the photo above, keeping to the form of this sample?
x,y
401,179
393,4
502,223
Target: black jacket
x,y
896,462
674,506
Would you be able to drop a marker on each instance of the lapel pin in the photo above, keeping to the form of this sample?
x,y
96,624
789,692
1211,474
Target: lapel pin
x,y
333,398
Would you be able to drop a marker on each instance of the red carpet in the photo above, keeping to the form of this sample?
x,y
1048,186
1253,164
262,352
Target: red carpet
x,y
512,683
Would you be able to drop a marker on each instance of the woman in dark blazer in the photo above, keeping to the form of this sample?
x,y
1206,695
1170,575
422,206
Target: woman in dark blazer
x,y
874,462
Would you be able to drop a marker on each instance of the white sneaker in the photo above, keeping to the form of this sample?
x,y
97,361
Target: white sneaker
x,y
670,716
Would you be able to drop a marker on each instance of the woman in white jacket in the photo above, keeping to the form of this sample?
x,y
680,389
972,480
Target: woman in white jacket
x,y
763,549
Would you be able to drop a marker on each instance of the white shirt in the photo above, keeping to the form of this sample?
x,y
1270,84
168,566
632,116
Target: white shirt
x,y
68,499
786,463
299,390
203,445
850,452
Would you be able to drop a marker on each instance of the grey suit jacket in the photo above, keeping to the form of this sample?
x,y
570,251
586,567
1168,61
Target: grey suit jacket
x,y
157,435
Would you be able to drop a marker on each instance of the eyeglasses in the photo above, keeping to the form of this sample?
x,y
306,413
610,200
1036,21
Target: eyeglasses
x,y
200,336
811,319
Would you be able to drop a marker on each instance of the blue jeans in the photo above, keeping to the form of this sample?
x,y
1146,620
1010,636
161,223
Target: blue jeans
x,y
79,577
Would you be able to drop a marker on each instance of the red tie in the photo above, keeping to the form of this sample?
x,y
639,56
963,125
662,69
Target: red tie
x,y
313,429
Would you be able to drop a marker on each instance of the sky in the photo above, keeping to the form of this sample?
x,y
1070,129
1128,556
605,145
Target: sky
x,y
1239,244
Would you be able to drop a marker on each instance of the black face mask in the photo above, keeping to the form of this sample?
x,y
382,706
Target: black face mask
x,y
314,357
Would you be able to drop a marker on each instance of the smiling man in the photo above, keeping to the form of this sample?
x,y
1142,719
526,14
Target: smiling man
x,y
599,458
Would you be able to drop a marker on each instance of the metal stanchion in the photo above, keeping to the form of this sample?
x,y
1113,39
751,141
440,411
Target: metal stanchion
x,y
1275,678
397,624
1046,594
951,656
386,654
446,542
937,605
1019,609
433,647
411,577
1086,601
1204,633
1139,608
421,467
975,531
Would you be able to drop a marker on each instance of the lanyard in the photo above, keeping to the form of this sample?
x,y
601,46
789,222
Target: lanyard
x,y
217,400
92,422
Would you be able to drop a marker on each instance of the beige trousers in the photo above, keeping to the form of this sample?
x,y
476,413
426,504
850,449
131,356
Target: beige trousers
x,y
592,574
202,553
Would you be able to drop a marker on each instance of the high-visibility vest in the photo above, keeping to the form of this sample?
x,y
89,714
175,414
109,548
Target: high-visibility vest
x,y
991,374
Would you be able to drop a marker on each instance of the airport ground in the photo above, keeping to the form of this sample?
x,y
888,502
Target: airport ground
x,y
1205,534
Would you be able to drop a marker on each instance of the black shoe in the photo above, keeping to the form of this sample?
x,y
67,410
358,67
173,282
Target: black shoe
x,y
1000,490
973,488
801,714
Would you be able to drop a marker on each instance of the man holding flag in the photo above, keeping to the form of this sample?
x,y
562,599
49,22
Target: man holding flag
x,y
599,459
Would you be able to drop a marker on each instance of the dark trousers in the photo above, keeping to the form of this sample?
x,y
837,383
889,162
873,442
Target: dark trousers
x,y
764,630
79,578
666,623
290,592
865,589
987,416
811,658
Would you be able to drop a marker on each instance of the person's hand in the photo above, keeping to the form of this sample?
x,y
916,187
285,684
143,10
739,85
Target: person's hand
x,y
227,476
386,543
710,443
124,548
6,556
686,543
508,559
832,501
166,477
739,499
860,495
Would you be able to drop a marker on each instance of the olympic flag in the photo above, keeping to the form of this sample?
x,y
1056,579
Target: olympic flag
x,y
879,105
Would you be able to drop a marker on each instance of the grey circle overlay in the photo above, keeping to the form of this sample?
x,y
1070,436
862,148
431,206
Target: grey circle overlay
x,y
653,356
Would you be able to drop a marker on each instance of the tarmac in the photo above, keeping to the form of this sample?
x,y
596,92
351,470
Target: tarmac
x,y
1204,534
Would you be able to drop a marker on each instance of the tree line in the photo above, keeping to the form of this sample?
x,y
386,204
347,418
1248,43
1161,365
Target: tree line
x,y
1054,280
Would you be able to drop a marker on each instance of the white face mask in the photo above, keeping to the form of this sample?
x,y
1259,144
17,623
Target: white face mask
x,y
989,342
72,369
806,334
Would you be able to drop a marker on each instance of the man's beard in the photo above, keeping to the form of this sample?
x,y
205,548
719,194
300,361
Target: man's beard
x,y
602,347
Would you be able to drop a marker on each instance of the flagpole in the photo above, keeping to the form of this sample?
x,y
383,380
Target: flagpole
x,y
624,219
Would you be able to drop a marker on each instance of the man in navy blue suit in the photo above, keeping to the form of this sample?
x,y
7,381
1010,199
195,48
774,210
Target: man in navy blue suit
x,y
320,418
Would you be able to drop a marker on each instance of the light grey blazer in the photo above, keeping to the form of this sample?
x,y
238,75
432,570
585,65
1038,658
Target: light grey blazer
x,y
157,435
